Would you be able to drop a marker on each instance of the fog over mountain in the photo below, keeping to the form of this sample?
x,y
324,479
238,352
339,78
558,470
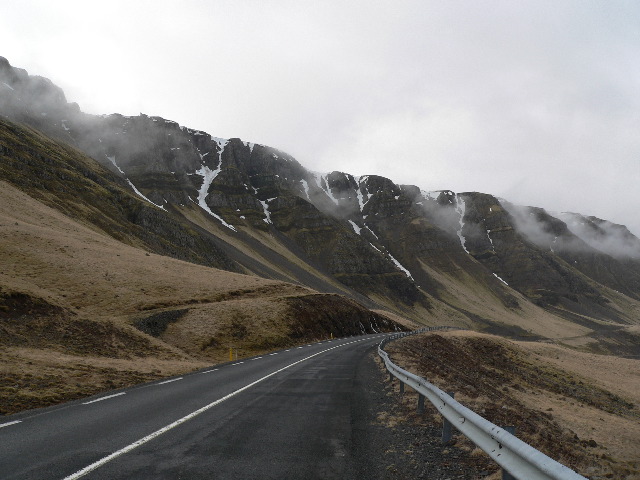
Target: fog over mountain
x,y
469,259
536,102
580,233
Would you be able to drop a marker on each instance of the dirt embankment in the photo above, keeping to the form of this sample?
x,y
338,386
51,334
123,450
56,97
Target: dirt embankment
x,y
50,354
252,325
574,418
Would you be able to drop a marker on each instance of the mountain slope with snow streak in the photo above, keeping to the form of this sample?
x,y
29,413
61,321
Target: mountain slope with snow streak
x,y
420,254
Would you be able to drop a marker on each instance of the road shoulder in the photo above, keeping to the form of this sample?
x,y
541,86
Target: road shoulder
x,y
391,441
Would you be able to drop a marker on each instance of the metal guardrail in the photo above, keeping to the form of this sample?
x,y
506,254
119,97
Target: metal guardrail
x,y
520,459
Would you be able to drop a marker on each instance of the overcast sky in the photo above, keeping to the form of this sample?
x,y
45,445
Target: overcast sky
x,y
534,101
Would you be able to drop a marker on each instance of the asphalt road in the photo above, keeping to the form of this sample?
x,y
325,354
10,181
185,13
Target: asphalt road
x,y
292,414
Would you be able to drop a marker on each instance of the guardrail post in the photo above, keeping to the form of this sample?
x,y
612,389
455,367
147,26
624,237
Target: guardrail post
x,y
506,475
401,387
420,403
446,425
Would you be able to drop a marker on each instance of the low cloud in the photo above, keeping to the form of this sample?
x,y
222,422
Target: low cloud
x,y
613,239
572,232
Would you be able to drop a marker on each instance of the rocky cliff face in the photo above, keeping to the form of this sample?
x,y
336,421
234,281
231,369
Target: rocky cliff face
x,y
488,234
387,245
34,100
604,252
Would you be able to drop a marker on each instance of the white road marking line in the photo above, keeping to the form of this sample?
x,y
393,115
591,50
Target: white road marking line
x,y
299,347
288,350
103,398
272,354
209,371
9,423
239,363
169,381
157,433
254,359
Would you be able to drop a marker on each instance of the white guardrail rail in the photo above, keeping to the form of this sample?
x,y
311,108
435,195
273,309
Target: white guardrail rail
x,y
518,458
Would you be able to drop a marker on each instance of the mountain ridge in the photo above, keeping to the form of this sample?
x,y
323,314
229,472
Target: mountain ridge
x,y
391,247
133,248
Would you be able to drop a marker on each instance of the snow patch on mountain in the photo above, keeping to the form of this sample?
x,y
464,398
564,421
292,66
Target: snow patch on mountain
x,y
250,145
356,228
429,195
372,232
305,185
265,207
491,241
208,176
113,160
460,208
321,178
141,195
222,143
362,185
400,266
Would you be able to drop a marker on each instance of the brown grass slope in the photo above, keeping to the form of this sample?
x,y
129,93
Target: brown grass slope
x,y
66,179
69,181
81,312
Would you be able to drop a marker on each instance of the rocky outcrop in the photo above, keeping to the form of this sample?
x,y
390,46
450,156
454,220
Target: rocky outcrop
x,y
610,238
490,236
621,271
69,181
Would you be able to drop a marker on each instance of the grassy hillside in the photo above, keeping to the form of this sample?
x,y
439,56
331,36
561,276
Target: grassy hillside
x,y
81,312
579,408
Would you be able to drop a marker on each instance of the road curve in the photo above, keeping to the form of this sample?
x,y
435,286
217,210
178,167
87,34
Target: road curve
x,y
289,414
